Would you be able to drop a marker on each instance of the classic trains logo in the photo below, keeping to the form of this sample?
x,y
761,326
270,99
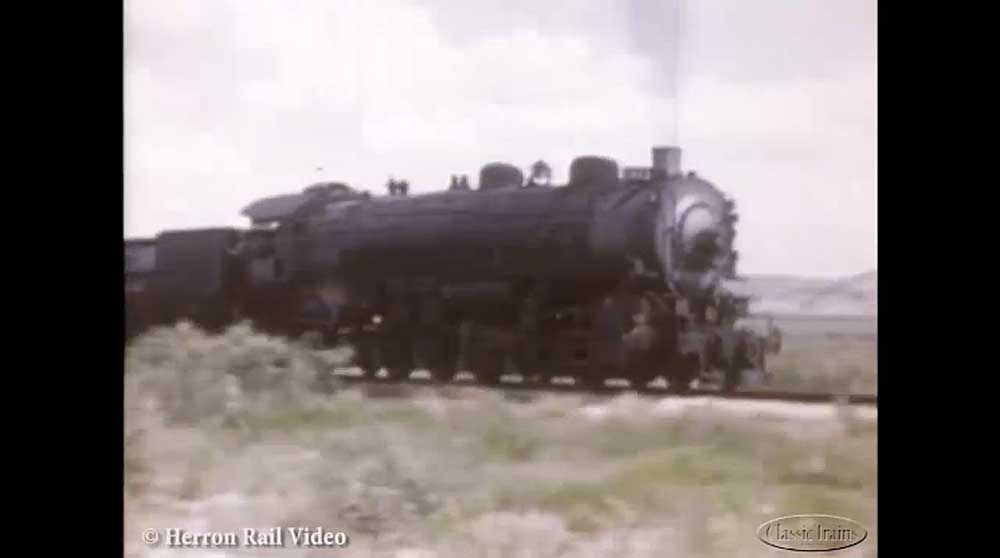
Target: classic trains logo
x,y
812,533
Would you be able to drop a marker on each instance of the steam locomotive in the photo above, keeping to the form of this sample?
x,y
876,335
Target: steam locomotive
x,y
619,273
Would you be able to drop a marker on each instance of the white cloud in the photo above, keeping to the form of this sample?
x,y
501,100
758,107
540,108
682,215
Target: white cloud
x,y
230,100
228,112
800,159
712,106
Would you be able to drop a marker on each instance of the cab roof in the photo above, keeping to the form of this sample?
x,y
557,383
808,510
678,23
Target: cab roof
x,y
292,206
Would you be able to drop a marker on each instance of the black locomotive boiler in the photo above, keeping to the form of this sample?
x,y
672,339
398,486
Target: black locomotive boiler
x,y
615,274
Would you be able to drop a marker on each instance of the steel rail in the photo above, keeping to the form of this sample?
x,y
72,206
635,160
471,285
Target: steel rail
x,y
614,389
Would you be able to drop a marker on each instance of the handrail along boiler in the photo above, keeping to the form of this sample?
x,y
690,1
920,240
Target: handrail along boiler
x,y
613,274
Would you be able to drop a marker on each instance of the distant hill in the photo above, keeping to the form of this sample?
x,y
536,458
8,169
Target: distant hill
x,y
782,294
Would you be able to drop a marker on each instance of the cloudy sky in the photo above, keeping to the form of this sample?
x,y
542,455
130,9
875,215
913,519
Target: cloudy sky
x,y
774,100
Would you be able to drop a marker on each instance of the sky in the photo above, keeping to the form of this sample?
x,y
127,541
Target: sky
x,y
775,101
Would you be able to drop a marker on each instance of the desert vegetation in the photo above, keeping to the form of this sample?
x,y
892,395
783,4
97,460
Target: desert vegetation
x,y
244,430
819,363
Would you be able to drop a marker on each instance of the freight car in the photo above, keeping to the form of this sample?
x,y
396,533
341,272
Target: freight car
x,y
617,273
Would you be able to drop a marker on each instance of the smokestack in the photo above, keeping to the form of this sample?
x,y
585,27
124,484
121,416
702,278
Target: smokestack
x,y
667,160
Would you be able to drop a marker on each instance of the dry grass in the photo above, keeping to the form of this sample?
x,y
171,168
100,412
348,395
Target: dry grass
x,y
826,363
227,432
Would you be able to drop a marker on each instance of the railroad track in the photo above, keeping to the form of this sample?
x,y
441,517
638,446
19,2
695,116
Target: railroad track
x,y
351,376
